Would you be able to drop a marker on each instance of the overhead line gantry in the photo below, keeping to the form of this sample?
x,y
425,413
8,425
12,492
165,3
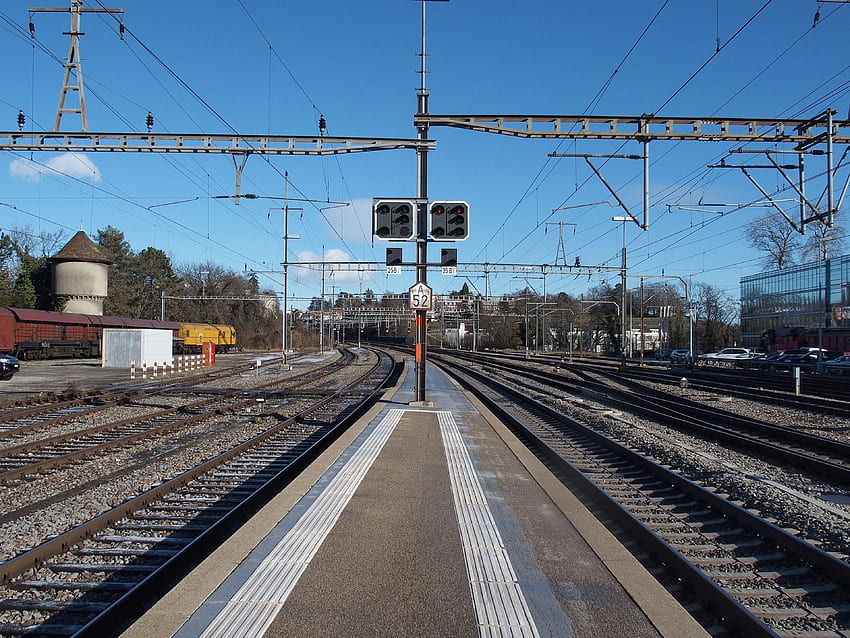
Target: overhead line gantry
x,y
646,127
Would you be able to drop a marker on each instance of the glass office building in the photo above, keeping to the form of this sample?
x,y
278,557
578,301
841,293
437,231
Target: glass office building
x,y
807,297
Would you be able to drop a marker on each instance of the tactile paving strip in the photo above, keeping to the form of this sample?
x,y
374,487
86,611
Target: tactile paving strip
x,y
256,604
499,603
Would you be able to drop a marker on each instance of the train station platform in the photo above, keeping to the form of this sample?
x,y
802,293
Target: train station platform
x,y
421,521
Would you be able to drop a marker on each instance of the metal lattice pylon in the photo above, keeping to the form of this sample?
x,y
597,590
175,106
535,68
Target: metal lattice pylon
x,y
72,63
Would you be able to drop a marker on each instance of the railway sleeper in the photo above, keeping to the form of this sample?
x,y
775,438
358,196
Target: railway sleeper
x,y
787,572
742,544
698,524
228,480
50,606
179,507
681,537
70,585
125,552
815,590
206,489
146,540
783,613
705,562
177,527
199,516
84,568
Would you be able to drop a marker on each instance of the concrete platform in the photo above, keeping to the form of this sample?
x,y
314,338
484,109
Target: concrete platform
x,y
421,522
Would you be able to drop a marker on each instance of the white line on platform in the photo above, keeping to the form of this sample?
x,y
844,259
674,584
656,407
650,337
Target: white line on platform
x,y
499,603
253,608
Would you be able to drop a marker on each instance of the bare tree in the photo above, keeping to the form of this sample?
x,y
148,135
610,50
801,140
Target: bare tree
x,y
772,235
823,241
716,315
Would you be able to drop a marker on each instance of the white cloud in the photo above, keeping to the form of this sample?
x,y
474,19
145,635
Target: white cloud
x,y
68,164
352,223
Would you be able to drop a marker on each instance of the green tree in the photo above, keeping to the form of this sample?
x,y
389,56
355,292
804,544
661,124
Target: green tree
x,y
152,276
8,269
121,300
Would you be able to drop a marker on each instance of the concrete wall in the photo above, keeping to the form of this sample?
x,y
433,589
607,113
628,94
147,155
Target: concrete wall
x,y
85,279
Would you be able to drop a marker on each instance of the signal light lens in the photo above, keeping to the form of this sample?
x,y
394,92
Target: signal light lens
x,y
392,219
449,221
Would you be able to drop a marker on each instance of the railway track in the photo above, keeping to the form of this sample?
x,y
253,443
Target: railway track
x,y
755,577
45,453
58,408
828,394
811,453
90,579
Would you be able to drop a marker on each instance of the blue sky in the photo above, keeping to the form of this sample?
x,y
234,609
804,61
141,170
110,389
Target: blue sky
x,y
274,66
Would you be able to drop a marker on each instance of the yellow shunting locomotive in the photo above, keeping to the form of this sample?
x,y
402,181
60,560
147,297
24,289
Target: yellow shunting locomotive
x,y
194,335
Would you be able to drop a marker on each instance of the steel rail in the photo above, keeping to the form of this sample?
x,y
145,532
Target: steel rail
x,y
127,605
28,467
826,456
736,613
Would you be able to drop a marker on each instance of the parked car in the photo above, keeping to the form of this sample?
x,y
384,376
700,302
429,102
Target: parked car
x,y
726,356
803,358
682,355
763,361
9,365
839,365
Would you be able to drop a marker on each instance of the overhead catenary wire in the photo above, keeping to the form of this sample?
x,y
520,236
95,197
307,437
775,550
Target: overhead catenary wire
x,y
699,172
594,100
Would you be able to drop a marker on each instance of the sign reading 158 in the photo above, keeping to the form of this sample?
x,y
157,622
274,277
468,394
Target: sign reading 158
x,y
420,297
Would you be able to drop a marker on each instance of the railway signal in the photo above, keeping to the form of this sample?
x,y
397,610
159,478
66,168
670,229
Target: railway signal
x,y
449,221
394,257
393,219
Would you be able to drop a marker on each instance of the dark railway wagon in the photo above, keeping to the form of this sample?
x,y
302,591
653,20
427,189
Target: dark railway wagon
x,y
832,338
41,334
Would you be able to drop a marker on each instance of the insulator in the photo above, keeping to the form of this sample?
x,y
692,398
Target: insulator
x,y
323,125
22,120
32,29
121,30
149,121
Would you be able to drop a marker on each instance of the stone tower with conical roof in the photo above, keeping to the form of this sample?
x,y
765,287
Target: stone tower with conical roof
x,y
80,274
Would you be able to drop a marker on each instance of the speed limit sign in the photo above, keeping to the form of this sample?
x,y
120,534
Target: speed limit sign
x,y
420,296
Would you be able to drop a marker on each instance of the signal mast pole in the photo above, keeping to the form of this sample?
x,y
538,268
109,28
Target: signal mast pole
x,y
421,334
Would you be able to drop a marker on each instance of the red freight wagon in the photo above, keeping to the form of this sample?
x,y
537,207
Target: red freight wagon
x,y
40,334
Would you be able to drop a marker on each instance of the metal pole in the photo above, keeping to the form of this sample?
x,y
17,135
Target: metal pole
x,y
544,314
690,320
623,300
829,177
322,311
646,184
801,170
526,327
285,264
422,223
642,342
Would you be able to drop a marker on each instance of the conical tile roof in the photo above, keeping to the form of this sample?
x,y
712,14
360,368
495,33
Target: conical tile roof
x,y
81,248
